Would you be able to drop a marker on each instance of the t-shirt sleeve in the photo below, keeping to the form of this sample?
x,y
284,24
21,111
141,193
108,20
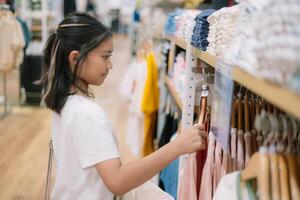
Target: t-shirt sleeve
x,y
94,140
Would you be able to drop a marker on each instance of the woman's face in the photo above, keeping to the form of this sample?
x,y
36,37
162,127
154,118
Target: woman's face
x,y
97,64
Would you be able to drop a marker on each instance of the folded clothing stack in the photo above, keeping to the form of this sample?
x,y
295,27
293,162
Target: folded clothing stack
x,y
185,24
201,30
222,24
267,41
170,27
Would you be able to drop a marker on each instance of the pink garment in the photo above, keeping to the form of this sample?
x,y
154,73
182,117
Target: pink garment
x,y
217,166
227,163
206,189
248,146
188,179
240,150
233,149
254,143
201,158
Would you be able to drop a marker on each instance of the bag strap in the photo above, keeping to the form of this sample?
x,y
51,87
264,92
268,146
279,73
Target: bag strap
x,y
49,170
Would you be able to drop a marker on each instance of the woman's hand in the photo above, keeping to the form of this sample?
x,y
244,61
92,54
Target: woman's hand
x,y
191,139
120,179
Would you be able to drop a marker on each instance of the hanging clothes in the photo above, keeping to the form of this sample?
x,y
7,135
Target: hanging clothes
x,y
206,189
188,178
170,127
230,187
132,88
11,42
25,30
147,191
168,178
201,30
150,103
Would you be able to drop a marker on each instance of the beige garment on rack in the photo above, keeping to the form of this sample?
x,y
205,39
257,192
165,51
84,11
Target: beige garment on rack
x,y
11,42
227,163
206,188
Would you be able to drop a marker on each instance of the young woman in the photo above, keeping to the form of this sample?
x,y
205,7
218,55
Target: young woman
x,y
87,159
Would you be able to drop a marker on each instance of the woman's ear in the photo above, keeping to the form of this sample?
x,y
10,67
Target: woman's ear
x,y
73,57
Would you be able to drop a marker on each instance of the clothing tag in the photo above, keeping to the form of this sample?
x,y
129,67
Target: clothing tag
x,y
221,107
204,93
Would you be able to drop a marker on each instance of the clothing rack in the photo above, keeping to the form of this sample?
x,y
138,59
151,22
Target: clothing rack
x,y
282,98
5,7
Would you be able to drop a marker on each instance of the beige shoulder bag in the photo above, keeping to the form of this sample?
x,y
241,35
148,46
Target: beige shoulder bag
x,y
49,170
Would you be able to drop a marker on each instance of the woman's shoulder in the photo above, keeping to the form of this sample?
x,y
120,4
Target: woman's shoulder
x,y
83,107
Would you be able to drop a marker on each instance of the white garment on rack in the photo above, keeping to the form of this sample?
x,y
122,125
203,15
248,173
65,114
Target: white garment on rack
x,y
221,28
132,88
230,188
147,191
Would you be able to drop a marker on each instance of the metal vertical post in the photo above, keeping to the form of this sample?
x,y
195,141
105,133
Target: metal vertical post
x,y
188,104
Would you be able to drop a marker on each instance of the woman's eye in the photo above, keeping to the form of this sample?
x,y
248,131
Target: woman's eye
x,y
106,57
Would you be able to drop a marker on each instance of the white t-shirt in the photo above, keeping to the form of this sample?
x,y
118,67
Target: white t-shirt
x,y
82,137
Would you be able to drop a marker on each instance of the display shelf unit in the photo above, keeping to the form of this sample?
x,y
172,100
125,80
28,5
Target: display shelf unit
x,y
281,97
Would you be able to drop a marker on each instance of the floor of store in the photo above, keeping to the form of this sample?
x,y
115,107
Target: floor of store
x,y
25,132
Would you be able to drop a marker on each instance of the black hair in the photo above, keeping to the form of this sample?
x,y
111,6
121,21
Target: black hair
x,y
80,32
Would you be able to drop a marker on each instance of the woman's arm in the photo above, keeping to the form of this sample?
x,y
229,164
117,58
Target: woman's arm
x,y
122,178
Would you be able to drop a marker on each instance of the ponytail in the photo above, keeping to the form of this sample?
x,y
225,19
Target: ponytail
x,y
57,76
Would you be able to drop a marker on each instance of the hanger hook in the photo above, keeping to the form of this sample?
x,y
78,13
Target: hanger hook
x,y
246,92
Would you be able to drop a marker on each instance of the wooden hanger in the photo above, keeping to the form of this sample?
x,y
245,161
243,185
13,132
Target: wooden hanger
x,y
258,168
293,177
269,108
257,107
203,105
263,105
275,177
233,113
207,116
246,114
252,112
284,178
275,111
240,111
